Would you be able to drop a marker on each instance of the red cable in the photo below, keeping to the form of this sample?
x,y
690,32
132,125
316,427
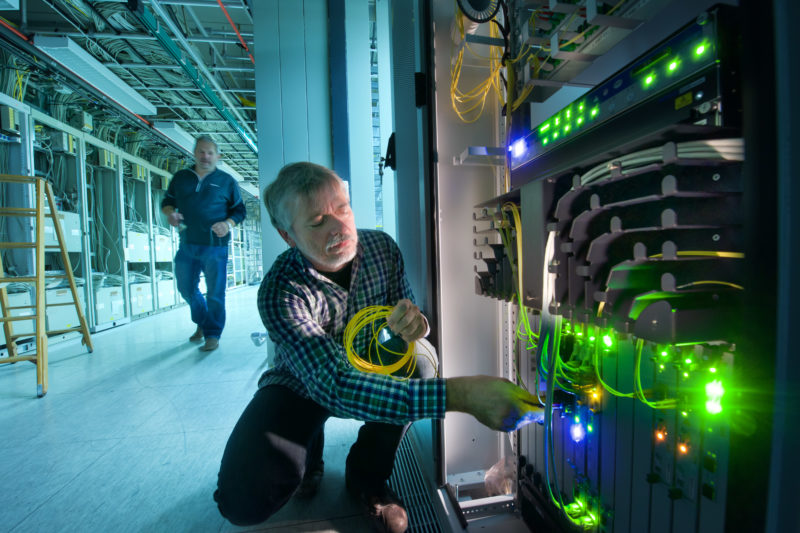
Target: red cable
x,y
236,30
19,33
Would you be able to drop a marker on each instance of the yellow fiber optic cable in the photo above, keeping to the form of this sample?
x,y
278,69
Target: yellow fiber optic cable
x,y
371,316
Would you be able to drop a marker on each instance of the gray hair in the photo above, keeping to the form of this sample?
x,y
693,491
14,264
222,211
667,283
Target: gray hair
x,y
206,139
293,181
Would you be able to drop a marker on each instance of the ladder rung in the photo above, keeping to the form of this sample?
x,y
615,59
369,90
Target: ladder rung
x,y
72,303
18,279
62,331
18,212
17,179
21,335
17,245
17,318
17,358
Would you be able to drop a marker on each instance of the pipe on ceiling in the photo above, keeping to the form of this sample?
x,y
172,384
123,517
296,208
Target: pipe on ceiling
x,y
227,109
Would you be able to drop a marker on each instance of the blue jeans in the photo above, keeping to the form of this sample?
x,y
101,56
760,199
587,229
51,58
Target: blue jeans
x,y
209,312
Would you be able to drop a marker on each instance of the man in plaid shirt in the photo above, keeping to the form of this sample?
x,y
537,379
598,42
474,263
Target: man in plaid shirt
x,y
309,295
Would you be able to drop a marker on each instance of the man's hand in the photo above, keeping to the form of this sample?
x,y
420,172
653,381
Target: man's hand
x,y
407,321
496,403
221,228
174,219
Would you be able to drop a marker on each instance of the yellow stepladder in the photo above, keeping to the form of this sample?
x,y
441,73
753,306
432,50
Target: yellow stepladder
x,y
42,190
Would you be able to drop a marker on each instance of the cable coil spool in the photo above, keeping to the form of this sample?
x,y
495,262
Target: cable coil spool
x,y
372,316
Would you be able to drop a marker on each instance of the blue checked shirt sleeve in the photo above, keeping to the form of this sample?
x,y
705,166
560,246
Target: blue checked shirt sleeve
x,y
320,363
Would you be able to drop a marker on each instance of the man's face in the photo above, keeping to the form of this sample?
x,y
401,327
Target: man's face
x,y
323,228
205,157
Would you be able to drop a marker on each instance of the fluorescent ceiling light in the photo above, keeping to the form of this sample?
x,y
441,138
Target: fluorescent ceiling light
x,y
177,134
225,167
249,188
77,60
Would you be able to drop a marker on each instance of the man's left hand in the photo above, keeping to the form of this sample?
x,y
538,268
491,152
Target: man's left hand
x,y
407,321
220,228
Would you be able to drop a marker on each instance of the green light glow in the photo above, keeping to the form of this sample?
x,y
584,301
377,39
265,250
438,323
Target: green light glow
x,y
661,367
672,66
712,370
688,360
580,107
592,338
607,340
569,113
577,419
664,353
714,393
686,374
555,135
580,121
557,121
684,413
648,81
594,111
567,128
700,50
544,127
545,141
589,428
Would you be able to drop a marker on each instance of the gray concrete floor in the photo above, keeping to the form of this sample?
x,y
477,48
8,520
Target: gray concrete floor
x,y
129,438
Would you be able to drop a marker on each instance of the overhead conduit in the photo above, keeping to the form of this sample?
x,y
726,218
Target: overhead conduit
x,y
214,98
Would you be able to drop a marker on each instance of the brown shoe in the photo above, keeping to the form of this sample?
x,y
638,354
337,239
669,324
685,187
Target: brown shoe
x,y
212,343
197,336
383,506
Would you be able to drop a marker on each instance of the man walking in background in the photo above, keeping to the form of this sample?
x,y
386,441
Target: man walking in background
x,y
206,204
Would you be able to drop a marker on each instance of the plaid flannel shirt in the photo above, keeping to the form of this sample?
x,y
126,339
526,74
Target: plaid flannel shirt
x,y
305,315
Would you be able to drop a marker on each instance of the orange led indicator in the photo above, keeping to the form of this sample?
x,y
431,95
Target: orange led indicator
x,y
661,435
683,448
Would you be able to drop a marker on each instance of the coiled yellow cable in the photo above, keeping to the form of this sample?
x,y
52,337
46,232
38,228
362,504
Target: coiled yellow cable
x,y
371,316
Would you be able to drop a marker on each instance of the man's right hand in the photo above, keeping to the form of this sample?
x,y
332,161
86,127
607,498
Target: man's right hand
x,y
174,219
495,402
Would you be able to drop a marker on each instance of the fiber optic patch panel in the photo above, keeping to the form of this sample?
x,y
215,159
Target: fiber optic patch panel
x,y
625,253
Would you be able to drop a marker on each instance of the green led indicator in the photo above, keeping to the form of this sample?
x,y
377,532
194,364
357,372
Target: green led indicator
x,y
544,127
664,354
580,121
607,340
555,135
595,110
557,121
700,50
712,370
589,428
684,413
567,128
577,419
648,81
672,66
545,141
714,393
686,374
580,107
591,338
688,360
661,367
569,113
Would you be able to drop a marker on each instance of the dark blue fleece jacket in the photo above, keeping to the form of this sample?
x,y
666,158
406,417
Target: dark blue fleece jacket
x,y
203,203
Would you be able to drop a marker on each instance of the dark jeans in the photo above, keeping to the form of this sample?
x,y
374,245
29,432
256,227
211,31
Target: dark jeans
x,y
278,436
191,259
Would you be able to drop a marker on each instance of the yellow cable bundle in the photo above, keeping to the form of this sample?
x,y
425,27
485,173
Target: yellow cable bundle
x,y
371,316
